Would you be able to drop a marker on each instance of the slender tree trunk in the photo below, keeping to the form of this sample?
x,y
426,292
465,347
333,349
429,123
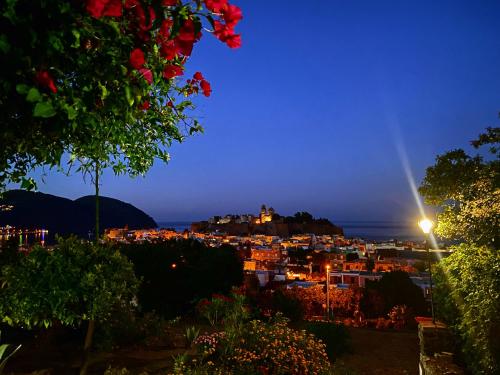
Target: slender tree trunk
x,y
86,347
91,325
96,202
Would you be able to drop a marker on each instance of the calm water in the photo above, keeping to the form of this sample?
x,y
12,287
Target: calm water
x,y
370,230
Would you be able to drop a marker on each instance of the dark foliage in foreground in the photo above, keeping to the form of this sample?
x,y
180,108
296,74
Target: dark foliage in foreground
x,y
334,336
395,288
177,273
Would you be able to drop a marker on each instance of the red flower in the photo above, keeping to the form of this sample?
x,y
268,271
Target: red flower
x,y
215,5
169,49
171,71
142,19
100,8
233,41
165,27
144,106
198,76
205,86
226,34
232,15
147,74
184,47
169,3
43,78
129,4
137,58
221,31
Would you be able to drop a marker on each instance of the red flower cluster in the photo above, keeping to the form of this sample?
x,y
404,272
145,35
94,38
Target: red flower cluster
x,y
180,44
144,105
137,59
44,79
231,14
199,82
171,71
101,8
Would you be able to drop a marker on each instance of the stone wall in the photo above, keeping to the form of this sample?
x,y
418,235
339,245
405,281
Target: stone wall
x,y
436,350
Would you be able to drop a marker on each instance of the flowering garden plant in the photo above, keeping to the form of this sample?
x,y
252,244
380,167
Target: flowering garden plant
x,y
245,346
261,348
100,79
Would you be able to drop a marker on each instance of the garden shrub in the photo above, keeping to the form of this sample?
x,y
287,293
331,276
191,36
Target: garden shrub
x,y
467,298
334,336
199,272
74,282
256,347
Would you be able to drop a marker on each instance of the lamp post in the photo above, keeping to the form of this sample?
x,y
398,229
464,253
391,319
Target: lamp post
x,y
328,292
426,226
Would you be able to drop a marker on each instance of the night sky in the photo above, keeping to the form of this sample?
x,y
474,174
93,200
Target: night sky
x,y
307,115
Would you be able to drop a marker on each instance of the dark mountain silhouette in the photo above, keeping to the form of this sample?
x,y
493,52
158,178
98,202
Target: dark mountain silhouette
x,y
64,216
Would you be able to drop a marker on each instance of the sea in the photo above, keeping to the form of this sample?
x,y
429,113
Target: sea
x,y
368,230
378,231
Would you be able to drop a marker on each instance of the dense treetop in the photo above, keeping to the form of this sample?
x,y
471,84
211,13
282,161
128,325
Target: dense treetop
x,y
98,79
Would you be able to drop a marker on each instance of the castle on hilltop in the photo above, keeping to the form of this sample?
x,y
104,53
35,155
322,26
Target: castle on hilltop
x,y
265,215
267,222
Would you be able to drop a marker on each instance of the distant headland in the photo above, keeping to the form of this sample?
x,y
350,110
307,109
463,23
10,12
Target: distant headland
x,y
30,210
267,222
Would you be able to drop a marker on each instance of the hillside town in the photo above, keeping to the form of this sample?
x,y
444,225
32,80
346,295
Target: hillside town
x,y
305,259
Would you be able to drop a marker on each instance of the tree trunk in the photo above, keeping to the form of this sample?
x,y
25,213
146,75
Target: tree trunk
x,y
96,202
87,346
91,326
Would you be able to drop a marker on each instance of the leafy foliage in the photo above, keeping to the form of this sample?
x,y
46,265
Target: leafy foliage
x,y
96,79
176,273
394,288
467,296
296,303
75,281
335,336
467,189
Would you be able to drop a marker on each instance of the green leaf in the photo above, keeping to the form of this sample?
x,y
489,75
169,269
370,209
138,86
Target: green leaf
x,y
4,44
44,109
33,95
128,95
22,88
28,184
76,34
56,43
71,113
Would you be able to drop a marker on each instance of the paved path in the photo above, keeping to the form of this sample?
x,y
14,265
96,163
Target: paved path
x,y
378,352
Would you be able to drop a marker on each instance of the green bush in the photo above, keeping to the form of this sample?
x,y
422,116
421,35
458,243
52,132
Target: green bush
x,y
74,282
467,297
289,305
334,336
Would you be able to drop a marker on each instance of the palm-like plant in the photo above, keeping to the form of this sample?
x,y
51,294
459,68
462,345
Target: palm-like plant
x,y
5,354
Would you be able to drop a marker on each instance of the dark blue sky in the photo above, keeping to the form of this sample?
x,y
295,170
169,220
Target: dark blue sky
x,y
305,116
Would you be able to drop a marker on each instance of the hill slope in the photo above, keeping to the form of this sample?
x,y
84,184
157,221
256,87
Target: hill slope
x,y
64,216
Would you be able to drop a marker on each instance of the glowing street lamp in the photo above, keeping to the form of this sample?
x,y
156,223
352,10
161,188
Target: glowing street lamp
x,y
328,292
426,226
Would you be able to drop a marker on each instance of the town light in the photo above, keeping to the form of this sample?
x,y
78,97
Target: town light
x,y
328,292
426,225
